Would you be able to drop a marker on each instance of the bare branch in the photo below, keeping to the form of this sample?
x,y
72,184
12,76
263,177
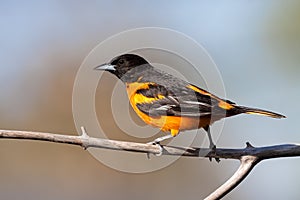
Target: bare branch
x,y
247,164
248,156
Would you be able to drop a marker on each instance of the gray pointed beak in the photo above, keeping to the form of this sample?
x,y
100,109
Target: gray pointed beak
x,y
106,67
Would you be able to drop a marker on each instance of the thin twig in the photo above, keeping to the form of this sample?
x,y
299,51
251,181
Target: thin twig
x,y
248,156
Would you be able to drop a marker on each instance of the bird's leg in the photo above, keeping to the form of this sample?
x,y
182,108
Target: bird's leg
x,y
211,143
212,146
160,139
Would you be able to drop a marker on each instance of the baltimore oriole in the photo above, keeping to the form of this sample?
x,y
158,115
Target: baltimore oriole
x,y
169,103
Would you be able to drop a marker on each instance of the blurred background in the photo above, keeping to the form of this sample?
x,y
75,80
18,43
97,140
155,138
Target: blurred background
x,y
256,46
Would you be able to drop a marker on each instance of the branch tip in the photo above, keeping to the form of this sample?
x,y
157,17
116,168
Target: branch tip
x,y
83,132
85,137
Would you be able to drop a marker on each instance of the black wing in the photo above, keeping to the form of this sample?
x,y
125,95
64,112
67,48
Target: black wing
x,y
188,101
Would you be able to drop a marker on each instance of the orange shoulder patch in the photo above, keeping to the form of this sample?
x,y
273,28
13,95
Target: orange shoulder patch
x,y
139,98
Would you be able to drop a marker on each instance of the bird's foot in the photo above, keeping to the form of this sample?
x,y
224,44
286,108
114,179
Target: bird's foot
x,y
155,142
213,152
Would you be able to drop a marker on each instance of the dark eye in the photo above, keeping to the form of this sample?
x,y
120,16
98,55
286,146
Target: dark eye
x,y
121,61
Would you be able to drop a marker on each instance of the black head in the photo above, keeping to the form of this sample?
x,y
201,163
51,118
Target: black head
x,y
122,64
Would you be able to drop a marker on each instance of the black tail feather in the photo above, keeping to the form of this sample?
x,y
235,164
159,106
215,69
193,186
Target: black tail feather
x,y
256,111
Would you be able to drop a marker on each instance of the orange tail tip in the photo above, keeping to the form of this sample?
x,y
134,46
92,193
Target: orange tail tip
x,y
256,111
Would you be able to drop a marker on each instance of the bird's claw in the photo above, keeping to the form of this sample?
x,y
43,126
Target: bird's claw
x,y
213,152
160,148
